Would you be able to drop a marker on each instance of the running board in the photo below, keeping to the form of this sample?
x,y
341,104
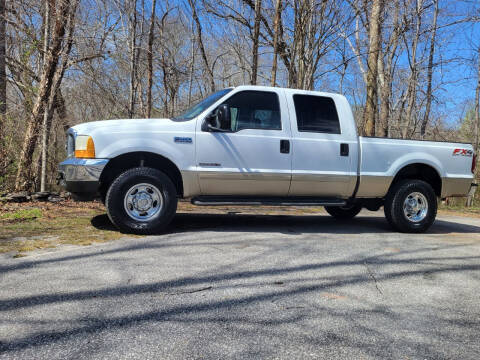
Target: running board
x,y
271,201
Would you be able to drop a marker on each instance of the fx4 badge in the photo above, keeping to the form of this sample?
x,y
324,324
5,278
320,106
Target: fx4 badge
x,y
182,140
462,152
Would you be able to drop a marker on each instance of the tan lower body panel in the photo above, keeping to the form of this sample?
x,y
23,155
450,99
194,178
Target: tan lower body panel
x,y
238,183
190,183
455,186
321,185
377,186
373,186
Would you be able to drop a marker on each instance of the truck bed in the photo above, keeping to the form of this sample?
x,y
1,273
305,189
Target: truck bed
x,y
382,158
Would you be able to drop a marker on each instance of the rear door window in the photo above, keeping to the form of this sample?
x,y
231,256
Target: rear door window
x,y
316,114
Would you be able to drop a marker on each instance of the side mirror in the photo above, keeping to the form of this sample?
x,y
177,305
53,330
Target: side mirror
x,y
224,118
220,121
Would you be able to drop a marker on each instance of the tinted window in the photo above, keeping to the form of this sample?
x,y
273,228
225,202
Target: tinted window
x,y
255,110
316,114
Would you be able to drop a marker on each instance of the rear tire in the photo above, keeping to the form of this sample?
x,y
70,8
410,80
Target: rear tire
x,y
343,212
141,201
411,206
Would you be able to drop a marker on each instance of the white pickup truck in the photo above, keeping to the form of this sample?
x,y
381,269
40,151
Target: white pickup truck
x,y
257,145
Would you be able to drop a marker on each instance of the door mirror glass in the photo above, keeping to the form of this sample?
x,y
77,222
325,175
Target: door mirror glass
x,y
220,120
223,117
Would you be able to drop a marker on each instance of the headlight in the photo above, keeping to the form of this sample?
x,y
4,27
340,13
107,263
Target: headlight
x,y
84,147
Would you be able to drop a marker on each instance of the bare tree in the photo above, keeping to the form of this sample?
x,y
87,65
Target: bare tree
x,y
63,15
276,29
477,107
3,75
370,112
311,32
46,42
386,70
150,60
201,44
429,94
411,94
256,34
476,129
132,24
3,86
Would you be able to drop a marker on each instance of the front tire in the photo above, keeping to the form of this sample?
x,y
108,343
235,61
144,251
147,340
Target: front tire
x,y
411,206
141,201
343,212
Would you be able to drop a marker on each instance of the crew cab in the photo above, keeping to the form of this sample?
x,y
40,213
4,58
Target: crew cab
x,y
256,145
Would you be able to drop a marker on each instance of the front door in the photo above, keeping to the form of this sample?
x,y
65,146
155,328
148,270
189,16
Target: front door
x,y
254,157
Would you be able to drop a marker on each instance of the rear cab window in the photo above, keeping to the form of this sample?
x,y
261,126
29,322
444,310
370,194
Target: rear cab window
x,y
316,114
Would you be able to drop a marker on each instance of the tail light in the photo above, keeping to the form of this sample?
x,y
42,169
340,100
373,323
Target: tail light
x,y
474,163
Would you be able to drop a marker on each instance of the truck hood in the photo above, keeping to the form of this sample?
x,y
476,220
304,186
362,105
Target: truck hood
x,y
162,136
127,126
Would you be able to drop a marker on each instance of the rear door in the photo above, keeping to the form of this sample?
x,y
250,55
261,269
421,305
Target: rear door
x,y
322,150
249,159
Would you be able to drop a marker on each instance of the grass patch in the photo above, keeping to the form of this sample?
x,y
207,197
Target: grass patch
x,y
25,228
460,209
22,214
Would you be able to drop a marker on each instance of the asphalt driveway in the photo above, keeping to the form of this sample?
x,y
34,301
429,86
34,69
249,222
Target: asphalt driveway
x,y
251,286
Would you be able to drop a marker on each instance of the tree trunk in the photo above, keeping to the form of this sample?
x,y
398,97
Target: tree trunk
x,y
192,70
278,14
62,15
46,41
3,75
384,79
256,34
428,105
413,79
150,60
477,108
386,74
3,87
133,57
370,112
200,45
476,130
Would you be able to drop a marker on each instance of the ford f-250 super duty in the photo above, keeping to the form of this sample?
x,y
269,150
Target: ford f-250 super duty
x,y
259,145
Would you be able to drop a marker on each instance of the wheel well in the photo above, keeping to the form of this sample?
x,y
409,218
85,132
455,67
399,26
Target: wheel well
x,y
123,162
420,172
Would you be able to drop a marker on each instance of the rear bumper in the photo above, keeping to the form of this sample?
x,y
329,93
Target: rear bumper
x,y
81,176
456,186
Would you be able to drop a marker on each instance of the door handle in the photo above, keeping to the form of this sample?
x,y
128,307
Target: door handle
x,y
344,150
284,146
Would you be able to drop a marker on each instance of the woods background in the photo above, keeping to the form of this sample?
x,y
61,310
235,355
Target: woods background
x,y
410,68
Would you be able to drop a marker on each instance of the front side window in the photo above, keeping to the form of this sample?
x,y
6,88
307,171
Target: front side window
x,y
316,114
254,110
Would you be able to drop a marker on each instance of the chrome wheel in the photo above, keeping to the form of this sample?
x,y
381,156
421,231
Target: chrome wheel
x,y
143,202
415,207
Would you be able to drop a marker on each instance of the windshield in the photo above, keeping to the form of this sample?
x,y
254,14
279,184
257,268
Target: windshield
x,y
202,105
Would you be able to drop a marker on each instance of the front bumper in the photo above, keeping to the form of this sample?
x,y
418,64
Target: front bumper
x,y
81,176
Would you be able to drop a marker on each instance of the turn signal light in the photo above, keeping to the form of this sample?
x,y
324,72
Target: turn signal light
x,y
84,147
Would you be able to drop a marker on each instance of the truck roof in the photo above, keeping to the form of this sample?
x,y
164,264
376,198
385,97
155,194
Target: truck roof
x,y
289,90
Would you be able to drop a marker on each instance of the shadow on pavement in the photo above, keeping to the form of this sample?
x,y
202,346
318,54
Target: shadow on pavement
x,y
287,224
